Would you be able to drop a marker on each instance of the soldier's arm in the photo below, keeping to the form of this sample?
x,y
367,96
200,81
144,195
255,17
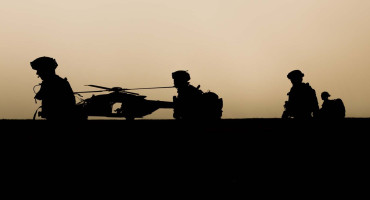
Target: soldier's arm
x,y
315,104
175,108
41,93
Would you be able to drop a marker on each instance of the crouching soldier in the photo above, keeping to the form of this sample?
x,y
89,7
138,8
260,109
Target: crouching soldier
x,y
191,103
187,102
331,109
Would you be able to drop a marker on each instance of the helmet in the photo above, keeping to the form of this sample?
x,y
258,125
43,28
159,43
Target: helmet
x,y
43,63
295,73
181,74
325,94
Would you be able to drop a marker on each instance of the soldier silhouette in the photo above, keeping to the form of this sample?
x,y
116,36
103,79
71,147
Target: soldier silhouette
x,y
302,102
56,94
187,103
331,109
192,103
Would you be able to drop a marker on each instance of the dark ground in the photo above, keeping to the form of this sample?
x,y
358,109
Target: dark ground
x,y
271,156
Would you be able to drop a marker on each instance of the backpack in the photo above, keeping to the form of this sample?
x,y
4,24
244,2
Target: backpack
x,y
340,110
212,105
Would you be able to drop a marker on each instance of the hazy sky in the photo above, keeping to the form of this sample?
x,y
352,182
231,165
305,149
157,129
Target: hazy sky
x,y
240,49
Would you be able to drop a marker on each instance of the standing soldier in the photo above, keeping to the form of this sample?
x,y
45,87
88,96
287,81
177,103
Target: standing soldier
x,y
56,94
187,103
302,102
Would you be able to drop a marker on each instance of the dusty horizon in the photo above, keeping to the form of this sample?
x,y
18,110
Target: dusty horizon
x,y
241,50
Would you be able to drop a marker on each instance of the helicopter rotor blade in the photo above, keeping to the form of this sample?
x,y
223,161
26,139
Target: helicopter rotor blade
x,y
125,92
97,86
90,91
148,88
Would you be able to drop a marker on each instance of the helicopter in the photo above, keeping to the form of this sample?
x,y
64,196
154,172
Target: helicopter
x,y
133,105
